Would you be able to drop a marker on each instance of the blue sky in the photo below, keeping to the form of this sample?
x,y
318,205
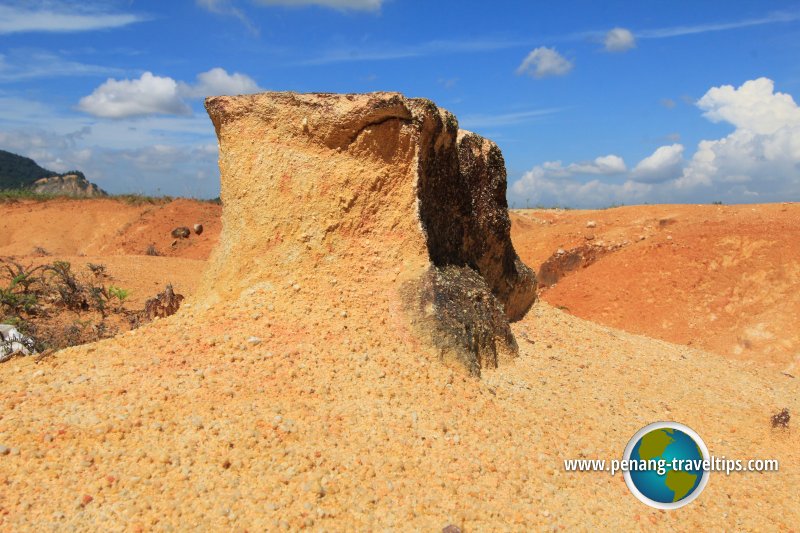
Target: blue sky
x,y
593,103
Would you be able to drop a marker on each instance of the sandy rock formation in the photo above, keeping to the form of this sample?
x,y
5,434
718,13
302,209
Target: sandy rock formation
x,y
75,185
325,187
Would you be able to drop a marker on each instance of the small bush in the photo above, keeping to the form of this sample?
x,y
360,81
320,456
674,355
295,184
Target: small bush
x,y
11,196
97,269
71,293
119,293
140,199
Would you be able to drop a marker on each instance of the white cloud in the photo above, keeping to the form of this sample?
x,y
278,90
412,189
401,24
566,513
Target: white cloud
x,y
758,162
753,106
607,165
536,187
147,95
664,164
156,95
364,52
26,64
174,168
763,150
46,148
52,17
226,7
543,62
217,81
619,40
678,31
355,5
504,119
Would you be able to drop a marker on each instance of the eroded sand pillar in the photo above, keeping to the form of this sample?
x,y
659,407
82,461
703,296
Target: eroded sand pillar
x,y
321,181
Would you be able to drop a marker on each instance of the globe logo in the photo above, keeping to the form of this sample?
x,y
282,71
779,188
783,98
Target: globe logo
x,y
668,465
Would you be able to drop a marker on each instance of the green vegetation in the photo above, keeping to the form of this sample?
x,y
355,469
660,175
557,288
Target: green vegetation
x,y
141,199
17,171
9,196
39,302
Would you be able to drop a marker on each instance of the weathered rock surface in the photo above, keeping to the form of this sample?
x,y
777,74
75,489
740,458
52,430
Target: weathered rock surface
x,y
376,184
12,342
483,170
75,185
181,232
562,262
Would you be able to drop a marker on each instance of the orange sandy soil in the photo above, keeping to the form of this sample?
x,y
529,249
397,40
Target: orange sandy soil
x,y
721,278
116,234
336,418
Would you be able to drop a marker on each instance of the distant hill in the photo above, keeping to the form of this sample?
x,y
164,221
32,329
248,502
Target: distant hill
x,y
18,172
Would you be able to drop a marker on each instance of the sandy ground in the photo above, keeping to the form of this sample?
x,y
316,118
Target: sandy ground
x,y
104,227
722,278
311,405
115,234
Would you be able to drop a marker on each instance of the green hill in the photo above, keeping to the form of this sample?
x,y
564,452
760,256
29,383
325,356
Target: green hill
x,y
18,172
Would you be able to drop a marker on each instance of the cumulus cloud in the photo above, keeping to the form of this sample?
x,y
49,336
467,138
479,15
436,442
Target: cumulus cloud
x,y
606,165
537,187
217,81
664,164
552,182
46,148
544,62
619,40
147,95
156,95
755,106
176,169
763,150
55,17
759,161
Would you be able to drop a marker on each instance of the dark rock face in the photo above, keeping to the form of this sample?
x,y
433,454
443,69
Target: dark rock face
x,y
563,262
483,171
463,318
181,232
477,283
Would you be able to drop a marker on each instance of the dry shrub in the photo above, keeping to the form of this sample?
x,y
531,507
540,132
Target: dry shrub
x,y
163,305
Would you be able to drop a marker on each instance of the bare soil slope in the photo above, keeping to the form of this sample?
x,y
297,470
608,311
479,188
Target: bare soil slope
x,y
723,278
117,234
331,424
102,227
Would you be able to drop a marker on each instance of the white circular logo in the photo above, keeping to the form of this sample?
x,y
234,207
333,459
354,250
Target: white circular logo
x,y
667,465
